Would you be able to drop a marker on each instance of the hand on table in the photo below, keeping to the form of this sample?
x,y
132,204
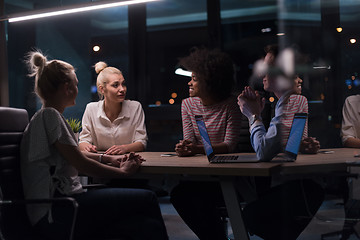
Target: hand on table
x,y
130,163
90,148
117,150
309,145
185,148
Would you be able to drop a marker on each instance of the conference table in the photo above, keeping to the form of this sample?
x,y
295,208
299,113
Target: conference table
x,y
327,161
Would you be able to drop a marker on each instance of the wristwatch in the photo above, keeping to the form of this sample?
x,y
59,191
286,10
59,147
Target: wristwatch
x,y
253,118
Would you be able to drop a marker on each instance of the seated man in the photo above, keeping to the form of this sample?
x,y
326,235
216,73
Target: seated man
x,y
286,209
350,127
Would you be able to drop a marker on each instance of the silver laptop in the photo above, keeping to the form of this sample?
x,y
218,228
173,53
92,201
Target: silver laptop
x,y
294,140
210,152
289,155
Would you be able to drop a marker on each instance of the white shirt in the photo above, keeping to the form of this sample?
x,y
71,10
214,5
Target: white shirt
x,y
43,169
350,126
128,127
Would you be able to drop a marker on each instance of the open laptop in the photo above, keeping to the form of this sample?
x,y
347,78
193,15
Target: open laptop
x,y
210,152
294,140
289,155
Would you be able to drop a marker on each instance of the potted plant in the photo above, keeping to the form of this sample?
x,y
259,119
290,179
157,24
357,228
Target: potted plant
x,y
75,125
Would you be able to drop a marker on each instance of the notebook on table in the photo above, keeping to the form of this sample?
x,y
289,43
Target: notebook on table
x,y
210,152
294,140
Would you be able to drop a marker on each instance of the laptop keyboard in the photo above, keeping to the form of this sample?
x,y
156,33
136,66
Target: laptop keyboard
x,y
225,158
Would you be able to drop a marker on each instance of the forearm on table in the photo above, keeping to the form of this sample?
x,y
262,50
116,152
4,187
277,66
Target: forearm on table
x,y
352,142
83,145
266,144
86,163
97,156
221,148
136,147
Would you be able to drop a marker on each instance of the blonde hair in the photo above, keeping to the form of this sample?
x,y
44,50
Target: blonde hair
x,y
48,74
102,69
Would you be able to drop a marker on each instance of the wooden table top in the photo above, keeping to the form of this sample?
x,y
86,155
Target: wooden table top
x,y
199,165
327,161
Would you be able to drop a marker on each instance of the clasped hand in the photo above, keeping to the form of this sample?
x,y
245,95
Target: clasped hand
x,y
309,145
185,148
250,102
128,163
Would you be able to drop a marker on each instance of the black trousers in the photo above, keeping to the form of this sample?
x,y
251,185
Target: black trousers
x,y
282,212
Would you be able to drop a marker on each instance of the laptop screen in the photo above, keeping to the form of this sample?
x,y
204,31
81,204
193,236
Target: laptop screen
x,y
204,135
296,133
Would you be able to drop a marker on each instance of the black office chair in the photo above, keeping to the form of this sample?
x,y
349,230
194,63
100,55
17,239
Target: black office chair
x,y
14,223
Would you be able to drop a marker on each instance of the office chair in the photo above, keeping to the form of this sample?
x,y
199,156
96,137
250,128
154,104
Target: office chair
x,y
14,223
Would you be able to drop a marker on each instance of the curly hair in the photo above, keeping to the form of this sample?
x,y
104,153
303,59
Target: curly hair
x,y
213,67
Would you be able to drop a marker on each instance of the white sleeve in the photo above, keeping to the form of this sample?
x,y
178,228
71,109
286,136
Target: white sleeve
x,y
86,127
347,127
140,134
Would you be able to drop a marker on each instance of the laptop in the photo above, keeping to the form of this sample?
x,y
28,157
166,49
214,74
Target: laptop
x,y
210,152
294,140
289,155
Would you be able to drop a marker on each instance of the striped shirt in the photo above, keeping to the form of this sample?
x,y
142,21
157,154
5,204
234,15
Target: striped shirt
x,y
295,104
222,120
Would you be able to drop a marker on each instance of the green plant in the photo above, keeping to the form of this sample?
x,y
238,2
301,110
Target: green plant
x,y
75,124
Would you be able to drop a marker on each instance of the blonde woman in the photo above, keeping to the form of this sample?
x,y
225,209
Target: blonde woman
x,y
113,124
51,160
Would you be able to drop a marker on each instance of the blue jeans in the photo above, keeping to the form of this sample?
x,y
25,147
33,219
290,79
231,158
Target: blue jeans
x,y
108,213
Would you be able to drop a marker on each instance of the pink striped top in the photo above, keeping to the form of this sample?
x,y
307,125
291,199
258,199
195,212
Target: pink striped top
x,y
222,120
295,104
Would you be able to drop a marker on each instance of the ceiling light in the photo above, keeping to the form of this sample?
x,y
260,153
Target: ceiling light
x,y
96,48
71,9
183,72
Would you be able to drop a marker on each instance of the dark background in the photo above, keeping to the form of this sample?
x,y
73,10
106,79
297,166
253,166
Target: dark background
x,y
145,42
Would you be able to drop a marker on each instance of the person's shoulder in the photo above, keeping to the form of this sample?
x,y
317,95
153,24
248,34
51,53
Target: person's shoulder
x,y
92,105
47,115
191,100
297,97
132,103
49,112
353,98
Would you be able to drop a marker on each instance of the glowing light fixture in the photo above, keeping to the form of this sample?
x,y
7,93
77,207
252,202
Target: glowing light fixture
x,y
183,72
339,29
265,30
353,40
280,34
72,9
171,101
174,95
96,48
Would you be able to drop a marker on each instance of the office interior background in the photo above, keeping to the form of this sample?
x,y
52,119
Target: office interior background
x,y
146,40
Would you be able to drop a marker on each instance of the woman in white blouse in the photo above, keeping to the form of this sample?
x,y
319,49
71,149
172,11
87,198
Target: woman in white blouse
x,y
113,125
